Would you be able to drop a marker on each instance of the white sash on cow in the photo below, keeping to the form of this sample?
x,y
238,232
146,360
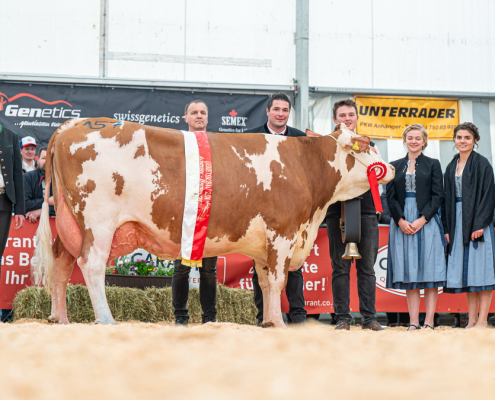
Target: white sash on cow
x,y
198,193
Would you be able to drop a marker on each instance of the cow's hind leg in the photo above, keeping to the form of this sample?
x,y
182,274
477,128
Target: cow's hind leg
x,y
93,269
62,270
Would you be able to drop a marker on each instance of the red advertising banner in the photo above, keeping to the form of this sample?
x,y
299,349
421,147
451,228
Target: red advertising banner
x,y
16,262
236,270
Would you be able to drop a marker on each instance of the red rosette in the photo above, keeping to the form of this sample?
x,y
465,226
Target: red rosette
x,y
379,168
376,171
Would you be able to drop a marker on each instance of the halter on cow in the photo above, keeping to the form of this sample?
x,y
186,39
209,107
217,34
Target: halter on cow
x,y
119,186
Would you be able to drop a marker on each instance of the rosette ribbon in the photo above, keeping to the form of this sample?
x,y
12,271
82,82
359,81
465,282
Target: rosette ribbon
x,y
376,171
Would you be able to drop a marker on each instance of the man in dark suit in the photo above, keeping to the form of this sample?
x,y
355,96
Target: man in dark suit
x,y
11,187
278,110
345,111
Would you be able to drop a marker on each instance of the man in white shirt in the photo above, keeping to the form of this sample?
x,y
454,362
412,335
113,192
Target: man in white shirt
x,y
196,117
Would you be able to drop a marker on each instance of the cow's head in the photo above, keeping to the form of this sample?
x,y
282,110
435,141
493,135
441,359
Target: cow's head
x,y
351,159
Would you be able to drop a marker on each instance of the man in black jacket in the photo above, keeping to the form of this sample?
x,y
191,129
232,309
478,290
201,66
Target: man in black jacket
x,y
11,189
34,189
345,111
278,110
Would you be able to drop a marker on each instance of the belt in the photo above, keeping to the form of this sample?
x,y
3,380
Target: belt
x,y
2,190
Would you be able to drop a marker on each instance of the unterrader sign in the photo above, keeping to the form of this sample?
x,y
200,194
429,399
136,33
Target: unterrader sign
x,y
387,117
38,109
235,270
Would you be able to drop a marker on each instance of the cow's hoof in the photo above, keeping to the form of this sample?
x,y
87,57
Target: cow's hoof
x,y
268,324
105,322
55,320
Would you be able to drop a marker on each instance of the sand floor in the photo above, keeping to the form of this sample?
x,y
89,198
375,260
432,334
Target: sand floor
x,y
229,361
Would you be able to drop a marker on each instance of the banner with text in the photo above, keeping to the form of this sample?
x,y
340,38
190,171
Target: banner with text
x,y
38,109
387,117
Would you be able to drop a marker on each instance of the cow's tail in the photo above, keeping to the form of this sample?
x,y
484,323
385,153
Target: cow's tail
x,y
42,262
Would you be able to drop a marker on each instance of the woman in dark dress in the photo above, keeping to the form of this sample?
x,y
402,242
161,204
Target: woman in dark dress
x,y
416,253
469,205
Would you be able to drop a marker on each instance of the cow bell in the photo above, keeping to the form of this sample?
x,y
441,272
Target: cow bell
x,y
351,251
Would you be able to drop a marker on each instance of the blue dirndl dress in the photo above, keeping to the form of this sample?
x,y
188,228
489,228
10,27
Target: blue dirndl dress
x,y
470,268
416,261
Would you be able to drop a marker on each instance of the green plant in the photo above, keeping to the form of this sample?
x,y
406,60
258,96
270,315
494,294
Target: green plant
x,y
125,265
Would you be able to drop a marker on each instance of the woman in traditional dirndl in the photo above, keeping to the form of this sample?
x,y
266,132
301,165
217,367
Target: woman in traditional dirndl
x,y
416,252
468,223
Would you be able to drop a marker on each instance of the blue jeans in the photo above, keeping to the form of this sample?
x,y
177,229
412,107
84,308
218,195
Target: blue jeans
x,y
207,289
366,280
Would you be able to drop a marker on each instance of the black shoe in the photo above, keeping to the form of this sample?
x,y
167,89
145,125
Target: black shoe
x,y
298,321
260,321
181,321
209,319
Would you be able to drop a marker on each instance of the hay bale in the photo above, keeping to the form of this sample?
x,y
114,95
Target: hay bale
x,y
32,302
236,305
149,305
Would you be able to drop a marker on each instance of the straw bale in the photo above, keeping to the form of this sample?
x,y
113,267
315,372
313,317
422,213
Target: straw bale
x,y
129,304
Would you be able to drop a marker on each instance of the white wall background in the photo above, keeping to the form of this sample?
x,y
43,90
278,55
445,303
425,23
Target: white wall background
x,y
443,45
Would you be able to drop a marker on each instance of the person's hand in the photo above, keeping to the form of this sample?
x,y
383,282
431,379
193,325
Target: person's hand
x,y
476,234
418,224
33,216
19,221
447,238
406,227
50,201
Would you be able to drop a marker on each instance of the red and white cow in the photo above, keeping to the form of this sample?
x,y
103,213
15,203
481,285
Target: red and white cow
x,y
119,186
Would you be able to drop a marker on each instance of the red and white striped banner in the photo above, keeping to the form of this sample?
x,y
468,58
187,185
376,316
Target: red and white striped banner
x,y
197,206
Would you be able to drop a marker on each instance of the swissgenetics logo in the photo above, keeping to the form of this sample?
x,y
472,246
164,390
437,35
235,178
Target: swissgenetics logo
x,y
59,110
233,120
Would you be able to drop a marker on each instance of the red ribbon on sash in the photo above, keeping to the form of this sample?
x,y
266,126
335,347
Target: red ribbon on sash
x,y
376,171
205,194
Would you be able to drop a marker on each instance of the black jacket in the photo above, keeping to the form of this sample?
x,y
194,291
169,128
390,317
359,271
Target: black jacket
x,y
33,190
264,129
11,167
429,187
478,197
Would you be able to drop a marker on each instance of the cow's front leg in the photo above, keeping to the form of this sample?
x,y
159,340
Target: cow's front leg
x,y
272,283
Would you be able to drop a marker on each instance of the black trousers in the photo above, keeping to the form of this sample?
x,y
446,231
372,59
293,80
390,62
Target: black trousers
x,y
294,292
207,289
5,220
366,281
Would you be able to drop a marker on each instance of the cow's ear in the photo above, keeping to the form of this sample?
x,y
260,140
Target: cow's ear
x,y
337,128
310,133
360,143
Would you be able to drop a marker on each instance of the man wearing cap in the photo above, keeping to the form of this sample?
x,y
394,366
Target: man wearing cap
x,y
11,185
196,117
278,110
28,151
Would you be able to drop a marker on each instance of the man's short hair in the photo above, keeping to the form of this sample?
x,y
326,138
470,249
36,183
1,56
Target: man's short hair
x,y
341,103
192,102
278,96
